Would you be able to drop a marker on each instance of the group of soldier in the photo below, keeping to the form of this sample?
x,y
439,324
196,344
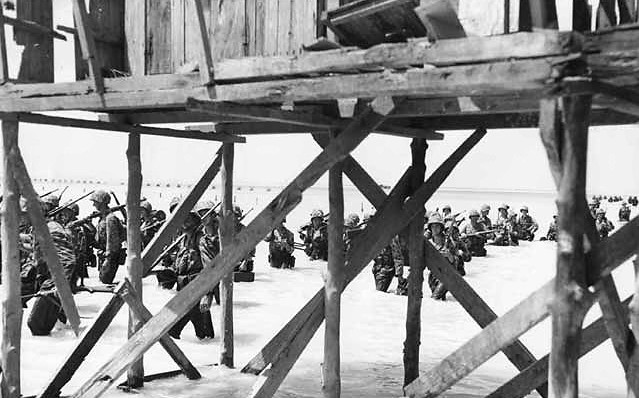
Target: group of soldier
x,y
81,245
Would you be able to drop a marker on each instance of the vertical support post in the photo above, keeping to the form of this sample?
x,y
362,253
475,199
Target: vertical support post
x,y
570,302
333,283
227,230
11,303
135,375
506,16
416,261
4,69
581,16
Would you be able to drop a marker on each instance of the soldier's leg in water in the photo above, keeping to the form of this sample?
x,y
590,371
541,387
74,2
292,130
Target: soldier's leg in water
x,y
197,320
382,282
207,324
440,292
274,259
108,270
176,330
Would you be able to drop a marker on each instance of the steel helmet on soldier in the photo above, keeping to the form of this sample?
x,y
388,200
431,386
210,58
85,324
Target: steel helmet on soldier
x,y
446,207
203,206
524,208
601,211
352,220
173,203
145,204
485,207
473,213
101,197
75,209
52,200
435,218
503,206
317,213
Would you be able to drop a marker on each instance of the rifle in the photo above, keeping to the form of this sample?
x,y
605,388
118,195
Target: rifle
x,y
117,202
480,233
176,242
244,215
93,215
44,195
63,191
66,206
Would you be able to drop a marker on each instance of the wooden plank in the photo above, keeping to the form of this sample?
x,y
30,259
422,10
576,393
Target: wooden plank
x,y
87,341
135,34
606,14
178,33
440,19
173,116
477,308
229,30
415,232
388,221
107,26
4,68
175,220
243,242
137,307
333,284
519,386
227,232
32,27
260,25
87,43
627,11
35,118
158,57
36,64
270,27
283,27
206,57
43,237
135,374
10,301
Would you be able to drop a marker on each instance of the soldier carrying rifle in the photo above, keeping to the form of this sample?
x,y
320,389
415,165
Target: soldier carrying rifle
x,y
280,247
110,234
315,236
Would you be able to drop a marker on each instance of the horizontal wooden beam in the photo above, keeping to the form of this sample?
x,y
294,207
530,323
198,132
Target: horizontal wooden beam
x,y
163,116
32,27
36,118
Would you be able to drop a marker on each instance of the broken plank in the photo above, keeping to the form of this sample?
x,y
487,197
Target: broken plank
x,y
89,53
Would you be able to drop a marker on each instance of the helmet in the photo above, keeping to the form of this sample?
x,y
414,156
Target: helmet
x,y
512,214
173,203
75,209
473,213
237,210
159,215
317,213
524,208
503,206
52,200
446,207
624,204
435,218
352,220
485,207
101,197
601,211
146,205
192,221
202,207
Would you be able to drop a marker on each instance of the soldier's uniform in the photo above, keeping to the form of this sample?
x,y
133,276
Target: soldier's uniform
x,y
469,235
188,265
351,230
110,235
483,217
624,212
553,229
280,247
150,225
210,241
399,249
508,230
527,225
603,225
384,269
315,237
449,250
47,308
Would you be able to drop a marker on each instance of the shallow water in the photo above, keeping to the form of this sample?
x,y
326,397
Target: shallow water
x,y
372,322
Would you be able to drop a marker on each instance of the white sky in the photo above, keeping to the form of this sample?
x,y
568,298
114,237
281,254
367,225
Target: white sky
x,y
505,159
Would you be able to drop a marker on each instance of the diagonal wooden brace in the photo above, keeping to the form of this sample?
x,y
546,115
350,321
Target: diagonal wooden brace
x,y
248,238
46,242
87,43
388,222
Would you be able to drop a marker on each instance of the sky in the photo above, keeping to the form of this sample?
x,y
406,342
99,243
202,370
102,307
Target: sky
x,y
504,160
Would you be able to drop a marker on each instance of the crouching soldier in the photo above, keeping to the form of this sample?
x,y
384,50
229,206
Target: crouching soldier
x,y
507,231
624,212
109,237
315,237
527,225
188,265
471,234
553,229
47,308
281,247
446,247
603,225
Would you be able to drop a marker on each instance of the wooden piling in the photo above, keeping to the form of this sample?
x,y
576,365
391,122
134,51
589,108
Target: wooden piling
x,y
569,306
135,374
416,261
227,231
333,284
11,303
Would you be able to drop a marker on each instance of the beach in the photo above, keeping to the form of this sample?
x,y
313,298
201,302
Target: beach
x,y
372,322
